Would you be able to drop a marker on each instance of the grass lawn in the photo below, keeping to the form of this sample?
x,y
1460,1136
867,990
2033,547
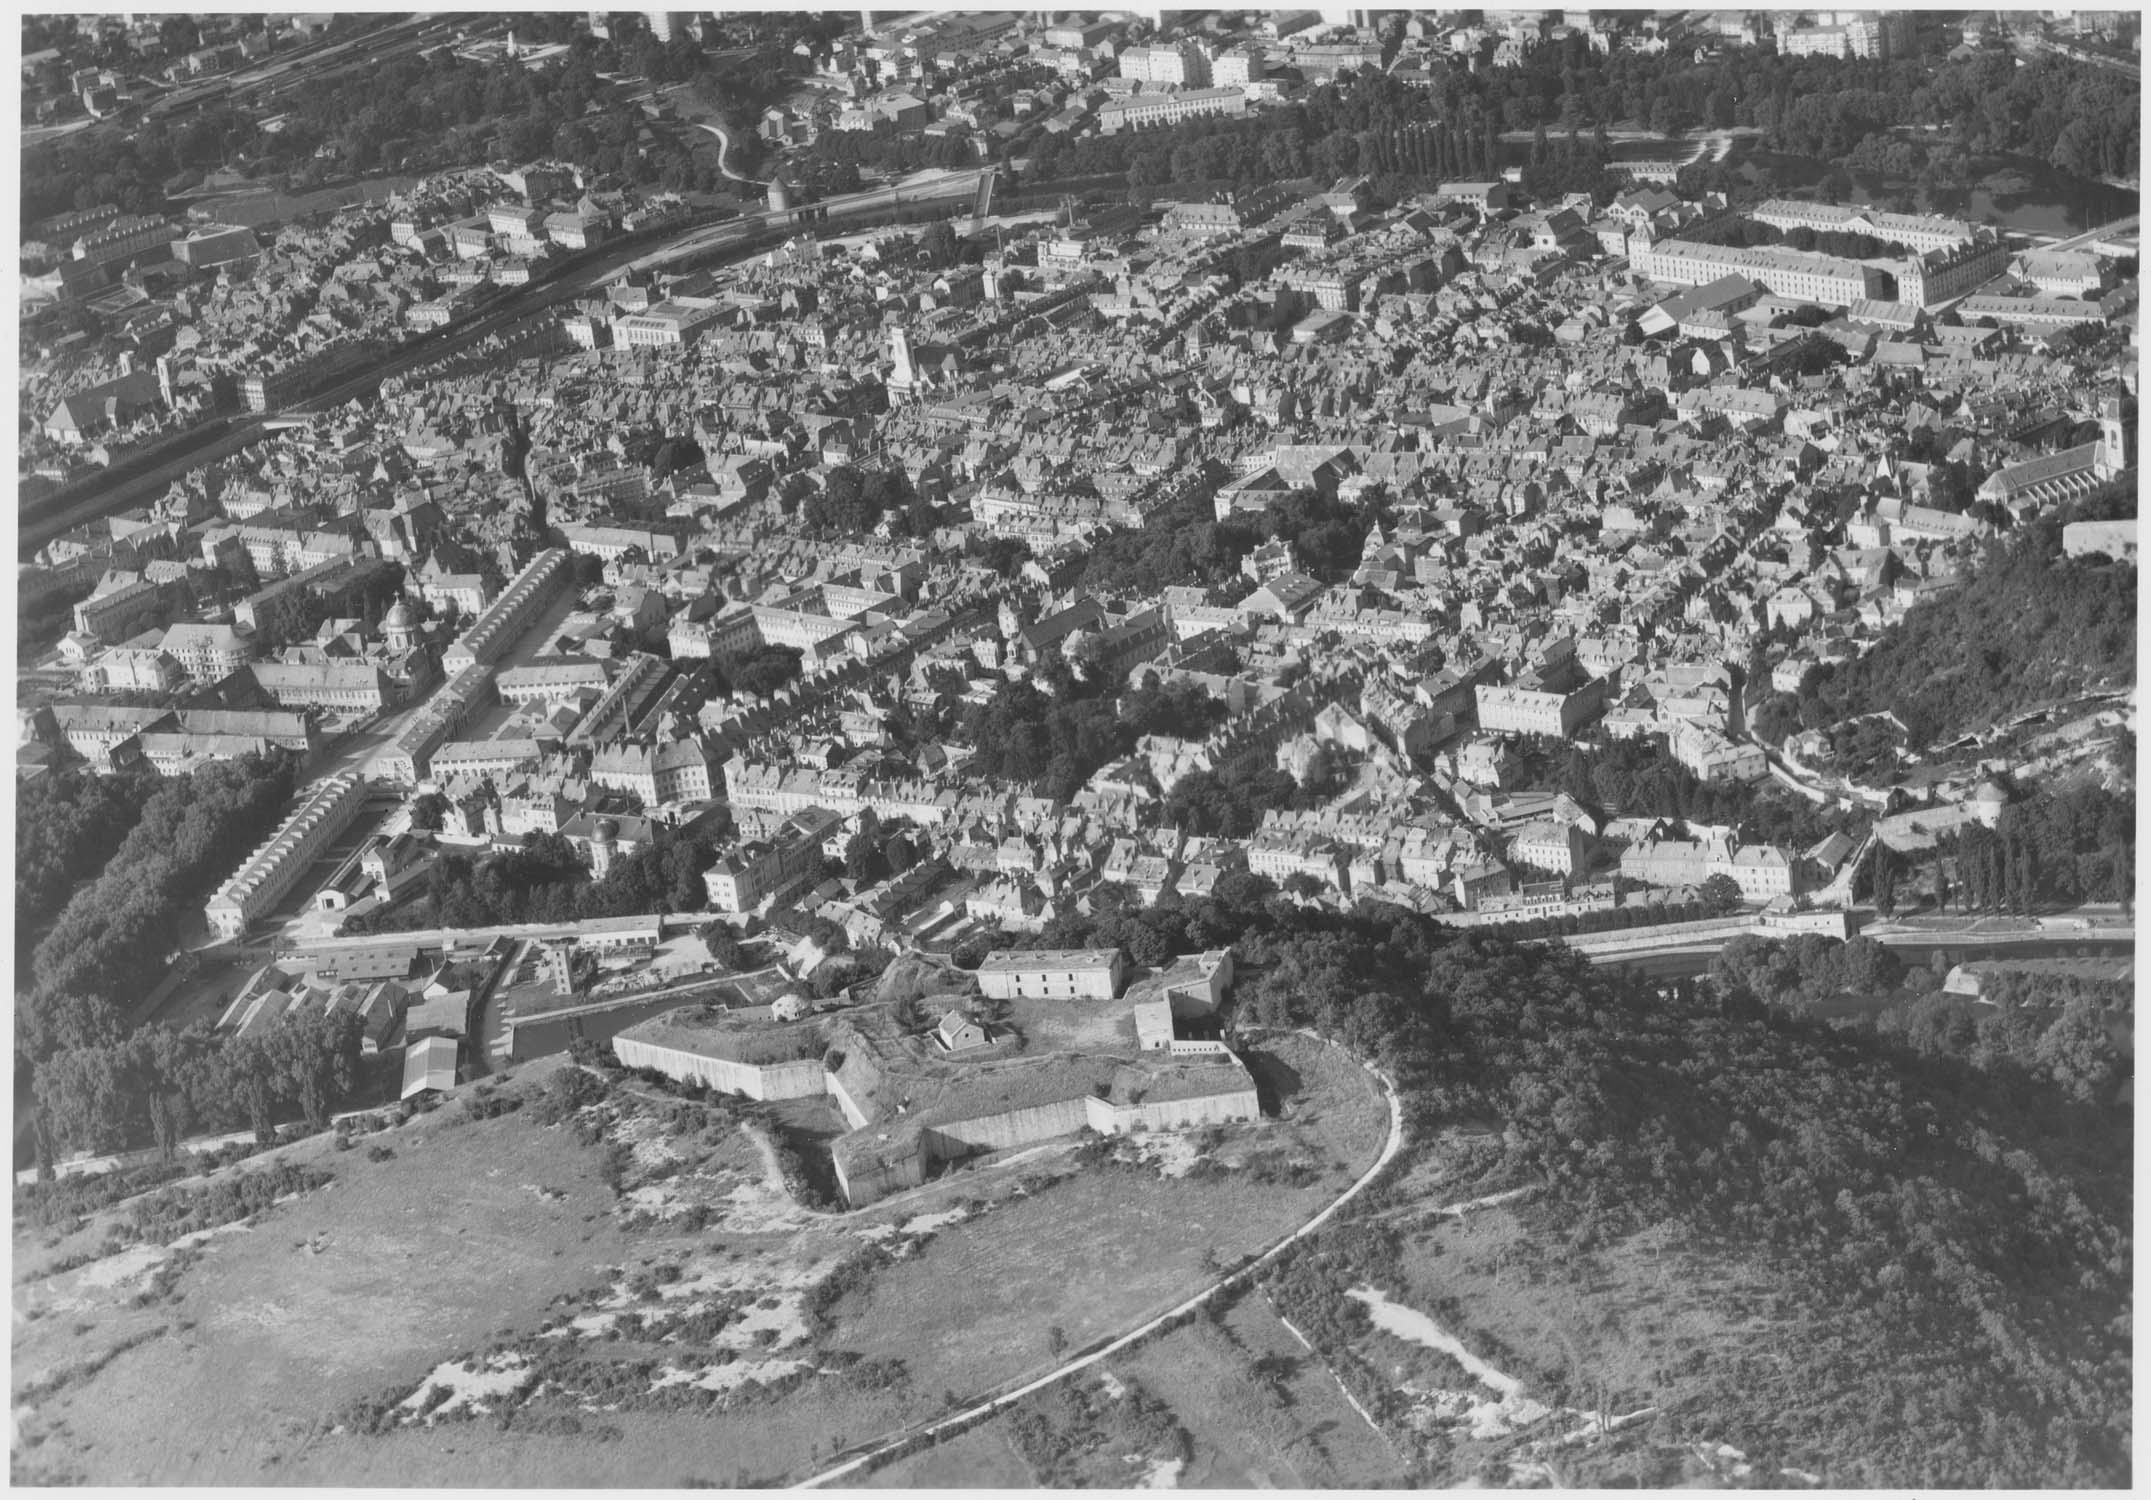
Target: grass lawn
x,y
1326,1100
1106,1027
1093,1254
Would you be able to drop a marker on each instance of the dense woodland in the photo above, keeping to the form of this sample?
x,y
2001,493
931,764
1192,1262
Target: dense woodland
x,y
2074,116
1959,1218
2029,626
67,825
111,941
2077,117
2056,848
415,114
158,1085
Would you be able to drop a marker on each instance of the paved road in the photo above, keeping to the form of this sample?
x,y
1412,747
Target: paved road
x,y
880,1450
1913,945
2127,225
2032,46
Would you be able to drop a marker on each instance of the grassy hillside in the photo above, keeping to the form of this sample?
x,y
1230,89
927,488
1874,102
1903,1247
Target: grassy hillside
x,y
1891,1263
575,1278
1638,1234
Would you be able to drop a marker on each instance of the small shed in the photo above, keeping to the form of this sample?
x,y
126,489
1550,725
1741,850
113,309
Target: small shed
x,y
959,1033
429,1066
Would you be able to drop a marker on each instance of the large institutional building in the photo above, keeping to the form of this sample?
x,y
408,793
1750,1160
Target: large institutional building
x,y
325,811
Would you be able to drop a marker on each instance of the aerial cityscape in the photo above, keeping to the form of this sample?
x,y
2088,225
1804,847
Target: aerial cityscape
x,y
1218,749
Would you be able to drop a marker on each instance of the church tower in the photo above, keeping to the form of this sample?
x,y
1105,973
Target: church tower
x,y
904,378
2117,436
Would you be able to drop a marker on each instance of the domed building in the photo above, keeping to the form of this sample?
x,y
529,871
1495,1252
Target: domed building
x,y
399,627
604,838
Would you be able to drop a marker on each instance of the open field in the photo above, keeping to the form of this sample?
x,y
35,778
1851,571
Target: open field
x,y
971,1312
469,1230
1074,1026
609,1285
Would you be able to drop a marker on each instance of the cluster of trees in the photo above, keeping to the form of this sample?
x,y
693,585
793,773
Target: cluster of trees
x,y
1898,156
832,164
1180,710
2079,118
873,853
1004,555
1850,244
67,824
547,881
110,943
663,453
2045,1027
1184,543
2074,116
1806,967
1056,740
1073,1436
1640,778
853,502
756,671
158,1085
2028,626
1326,534
424,113
2061,847
1230,803
1051,742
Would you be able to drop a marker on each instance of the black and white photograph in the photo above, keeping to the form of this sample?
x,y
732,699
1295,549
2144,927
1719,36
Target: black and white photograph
x,y
1134,749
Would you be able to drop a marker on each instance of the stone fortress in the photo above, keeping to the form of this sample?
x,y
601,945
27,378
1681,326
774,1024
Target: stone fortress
x,y
1070,1042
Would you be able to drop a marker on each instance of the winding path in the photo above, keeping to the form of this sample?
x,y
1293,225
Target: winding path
x,y
724,153
887,1446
